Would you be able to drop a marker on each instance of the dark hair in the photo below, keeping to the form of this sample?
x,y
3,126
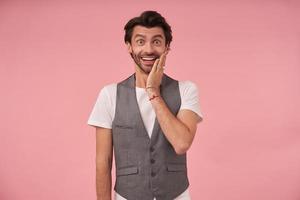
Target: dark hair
x,y
148,19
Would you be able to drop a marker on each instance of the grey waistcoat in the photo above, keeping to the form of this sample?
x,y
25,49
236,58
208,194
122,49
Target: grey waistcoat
x,y
146,167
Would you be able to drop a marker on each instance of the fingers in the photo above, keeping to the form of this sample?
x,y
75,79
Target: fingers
x,y
154,68
162,61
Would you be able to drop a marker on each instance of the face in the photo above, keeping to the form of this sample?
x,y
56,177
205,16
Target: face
x,y
147,44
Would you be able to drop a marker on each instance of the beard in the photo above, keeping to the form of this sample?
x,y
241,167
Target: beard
x,y
137,59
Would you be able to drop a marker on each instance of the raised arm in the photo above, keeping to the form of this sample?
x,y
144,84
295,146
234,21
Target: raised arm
x,y
179,130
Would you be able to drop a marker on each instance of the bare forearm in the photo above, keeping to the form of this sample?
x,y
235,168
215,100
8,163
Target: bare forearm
x,y
175,131
103,183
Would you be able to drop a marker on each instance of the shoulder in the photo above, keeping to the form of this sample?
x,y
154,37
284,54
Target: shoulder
x,y
187,86
190,97
109,89
187,83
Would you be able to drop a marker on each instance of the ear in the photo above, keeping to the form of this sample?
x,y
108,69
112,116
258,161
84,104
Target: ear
x,y
167,47
129,48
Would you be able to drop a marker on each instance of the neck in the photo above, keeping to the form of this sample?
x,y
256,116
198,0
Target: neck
x,y
140,79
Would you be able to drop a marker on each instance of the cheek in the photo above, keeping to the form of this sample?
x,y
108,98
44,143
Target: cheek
x,y
161,50
137,52
136,55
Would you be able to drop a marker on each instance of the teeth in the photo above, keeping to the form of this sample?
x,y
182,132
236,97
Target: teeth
x,y
147,58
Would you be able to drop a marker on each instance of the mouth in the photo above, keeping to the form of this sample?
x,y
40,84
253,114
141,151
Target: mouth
x,y
148,60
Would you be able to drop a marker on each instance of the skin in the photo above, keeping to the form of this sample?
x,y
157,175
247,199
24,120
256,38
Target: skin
x,y
179,130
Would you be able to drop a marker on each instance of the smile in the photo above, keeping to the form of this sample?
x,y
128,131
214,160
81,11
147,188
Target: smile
x,y
148,58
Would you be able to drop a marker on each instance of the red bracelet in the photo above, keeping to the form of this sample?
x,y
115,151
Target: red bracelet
x,y
153,97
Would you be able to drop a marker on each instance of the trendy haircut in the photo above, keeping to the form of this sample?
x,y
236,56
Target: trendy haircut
x,y
148,19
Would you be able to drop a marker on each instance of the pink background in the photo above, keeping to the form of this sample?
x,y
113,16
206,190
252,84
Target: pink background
x,y
55,56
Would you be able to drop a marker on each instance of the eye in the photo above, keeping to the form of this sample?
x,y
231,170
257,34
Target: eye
x,y
140,42
157,42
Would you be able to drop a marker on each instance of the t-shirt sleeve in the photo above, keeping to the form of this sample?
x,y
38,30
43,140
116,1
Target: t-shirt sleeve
x,y
190,98
101,115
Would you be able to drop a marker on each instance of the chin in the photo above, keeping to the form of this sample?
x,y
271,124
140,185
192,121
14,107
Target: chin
x,y
147,69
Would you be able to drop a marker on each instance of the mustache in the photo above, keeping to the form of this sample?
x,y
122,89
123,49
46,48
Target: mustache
x,y
139,56
150,55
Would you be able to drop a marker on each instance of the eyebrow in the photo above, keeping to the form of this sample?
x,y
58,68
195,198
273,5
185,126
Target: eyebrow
x,y
140,35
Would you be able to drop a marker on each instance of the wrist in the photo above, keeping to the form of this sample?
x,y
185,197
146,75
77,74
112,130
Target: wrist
x,y
152,91
153,97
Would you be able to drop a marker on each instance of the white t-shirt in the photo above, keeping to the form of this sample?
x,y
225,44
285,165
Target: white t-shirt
x,y
103,111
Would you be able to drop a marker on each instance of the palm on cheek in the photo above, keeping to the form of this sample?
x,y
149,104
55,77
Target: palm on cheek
x,y
155,76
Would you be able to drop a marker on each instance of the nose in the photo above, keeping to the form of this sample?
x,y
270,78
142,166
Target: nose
x,y
148,48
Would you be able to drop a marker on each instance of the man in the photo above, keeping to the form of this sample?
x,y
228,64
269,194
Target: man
x,y
148,119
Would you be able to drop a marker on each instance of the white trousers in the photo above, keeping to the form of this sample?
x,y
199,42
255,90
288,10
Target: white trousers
x,y
183,196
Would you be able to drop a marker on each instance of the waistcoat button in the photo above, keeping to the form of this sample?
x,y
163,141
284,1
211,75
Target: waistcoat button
x,y
151,149
153,174
152,160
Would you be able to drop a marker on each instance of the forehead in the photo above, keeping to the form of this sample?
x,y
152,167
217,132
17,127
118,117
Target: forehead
x,y
147,32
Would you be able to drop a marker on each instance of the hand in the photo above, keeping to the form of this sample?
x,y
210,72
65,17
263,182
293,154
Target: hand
x,y
156,74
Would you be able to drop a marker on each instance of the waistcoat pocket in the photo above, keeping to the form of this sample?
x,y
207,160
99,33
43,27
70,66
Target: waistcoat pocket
x,y
123,126
176,167
124,129
127,171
